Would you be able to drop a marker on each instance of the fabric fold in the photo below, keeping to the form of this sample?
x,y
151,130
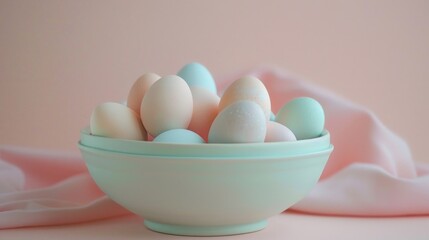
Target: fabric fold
x,y
363,189
40,188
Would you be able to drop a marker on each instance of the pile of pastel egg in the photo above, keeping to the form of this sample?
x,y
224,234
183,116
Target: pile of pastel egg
x,y
185,108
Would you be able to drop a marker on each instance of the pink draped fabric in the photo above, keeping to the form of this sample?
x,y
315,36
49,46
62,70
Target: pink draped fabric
x,y
48,188
370,173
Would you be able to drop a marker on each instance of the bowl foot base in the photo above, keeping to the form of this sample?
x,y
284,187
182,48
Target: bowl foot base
x,y
205,230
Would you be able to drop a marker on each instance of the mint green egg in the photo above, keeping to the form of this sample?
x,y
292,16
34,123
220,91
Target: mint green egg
x,y
197,75
179,136
272,116
304,116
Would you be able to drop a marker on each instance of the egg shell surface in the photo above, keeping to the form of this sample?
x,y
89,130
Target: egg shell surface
x,y
204,112
304,116
240,122
277,132
247,88
138,90
116,120
167,105
183,136
272,116
197,75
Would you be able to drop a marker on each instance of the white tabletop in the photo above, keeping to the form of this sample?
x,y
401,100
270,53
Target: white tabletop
x,y
288,226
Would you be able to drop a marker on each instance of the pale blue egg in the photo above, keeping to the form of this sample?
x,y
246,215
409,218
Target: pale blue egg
x,y
304,116
179,136
197,75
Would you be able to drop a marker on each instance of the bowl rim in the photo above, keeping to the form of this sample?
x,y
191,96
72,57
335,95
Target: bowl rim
x,y
85,132
205,149
208,158
140,147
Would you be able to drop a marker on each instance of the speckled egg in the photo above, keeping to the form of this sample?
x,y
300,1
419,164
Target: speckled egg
x,y
240,122
304,116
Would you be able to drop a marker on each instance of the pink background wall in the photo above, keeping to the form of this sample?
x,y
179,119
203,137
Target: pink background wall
x,y
59,59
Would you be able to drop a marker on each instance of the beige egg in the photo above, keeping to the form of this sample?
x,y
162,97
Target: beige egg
x,y
204,112
167,105
116,120
247,88
240,122
138,90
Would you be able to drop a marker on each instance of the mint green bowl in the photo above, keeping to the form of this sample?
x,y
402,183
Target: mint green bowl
x,y
248,150
205,189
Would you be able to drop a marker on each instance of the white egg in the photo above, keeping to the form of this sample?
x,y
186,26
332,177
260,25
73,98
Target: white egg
x,y
167,105
180,136
247,88
277,132
116,121
240,122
